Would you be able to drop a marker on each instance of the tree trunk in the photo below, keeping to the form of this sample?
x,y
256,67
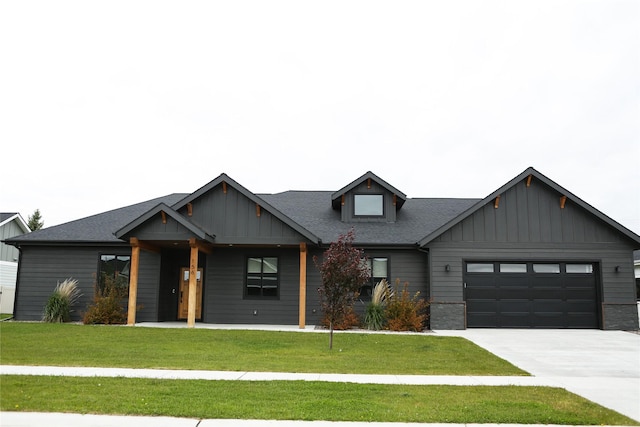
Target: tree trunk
x,y
330,335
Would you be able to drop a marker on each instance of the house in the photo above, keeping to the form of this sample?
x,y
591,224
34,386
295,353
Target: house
x,y
529,255
11,225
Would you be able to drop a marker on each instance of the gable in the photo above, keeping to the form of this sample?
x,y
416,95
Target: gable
x,y
162,223
236,216
368,199
532,208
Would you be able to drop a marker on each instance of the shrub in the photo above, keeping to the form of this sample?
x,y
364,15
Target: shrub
x,y
404,312
374,316
108,303
348,320
58,306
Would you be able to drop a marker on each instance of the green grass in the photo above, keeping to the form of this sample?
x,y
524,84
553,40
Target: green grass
x,y
424,354
206,349
299,400
5,316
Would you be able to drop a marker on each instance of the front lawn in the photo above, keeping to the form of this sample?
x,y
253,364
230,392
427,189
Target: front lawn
x,y
300,400
207,349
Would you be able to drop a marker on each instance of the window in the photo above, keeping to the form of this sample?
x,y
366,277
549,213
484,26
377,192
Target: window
x,y
513,268
480,267
114,268
579,268
262,277
378,270
546,268
368,205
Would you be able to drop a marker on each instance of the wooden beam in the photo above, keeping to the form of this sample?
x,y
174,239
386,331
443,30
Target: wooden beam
x,y
563,201
189,209
193,286
395,200
303,286
529,180
202,247
496,203
224,187
342,201
368,182
258,210
133,285
135,242
164,217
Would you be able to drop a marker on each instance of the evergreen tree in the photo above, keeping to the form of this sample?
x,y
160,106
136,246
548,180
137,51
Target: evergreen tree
x,y
35,221
344,271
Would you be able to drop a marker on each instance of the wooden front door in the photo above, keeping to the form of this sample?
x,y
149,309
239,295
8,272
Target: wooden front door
x,y
183,298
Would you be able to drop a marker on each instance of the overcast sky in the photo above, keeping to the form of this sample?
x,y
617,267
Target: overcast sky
x,y
106,104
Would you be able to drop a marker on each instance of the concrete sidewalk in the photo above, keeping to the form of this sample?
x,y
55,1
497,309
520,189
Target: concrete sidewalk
x,y
31,419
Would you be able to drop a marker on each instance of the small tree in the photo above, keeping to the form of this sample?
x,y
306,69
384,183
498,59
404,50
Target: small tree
x,y
35,222
343,273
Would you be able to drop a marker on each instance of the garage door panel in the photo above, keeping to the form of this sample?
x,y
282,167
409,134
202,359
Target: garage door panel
x,y
547,294
554,320
557,299
515,320
581,320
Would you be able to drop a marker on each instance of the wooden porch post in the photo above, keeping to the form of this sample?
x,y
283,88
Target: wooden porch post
x,y
193,278
303,286
133,282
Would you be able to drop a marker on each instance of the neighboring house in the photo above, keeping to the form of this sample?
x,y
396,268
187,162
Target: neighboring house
x,y
529,255
11,225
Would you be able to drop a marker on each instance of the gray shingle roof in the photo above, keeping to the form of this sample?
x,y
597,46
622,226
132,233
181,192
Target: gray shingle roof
x,y
95,228
416,219
310,209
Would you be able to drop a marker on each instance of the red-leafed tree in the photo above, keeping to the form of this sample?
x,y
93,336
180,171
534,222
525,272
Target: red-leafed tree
x,y
343,271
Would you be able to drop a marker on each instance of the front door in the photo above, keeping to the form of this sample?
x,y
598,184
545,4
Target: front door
x,y
183,298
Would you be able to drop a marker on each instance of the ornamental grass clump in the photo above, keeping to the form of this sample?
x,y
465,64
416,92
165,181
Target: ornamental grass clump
x,y
58,306
374,316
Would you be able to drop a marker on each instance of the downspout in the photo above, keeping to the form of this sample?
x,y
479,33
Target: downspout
x,y
15,297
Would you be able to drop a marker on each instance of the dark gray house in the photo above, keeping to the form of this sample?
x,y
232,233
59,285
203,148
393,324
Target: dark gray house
x,y
529,255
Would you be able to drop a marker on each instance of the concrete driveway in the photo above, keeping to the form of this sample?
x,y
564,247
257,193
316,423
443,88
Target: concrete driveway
x,y
602,366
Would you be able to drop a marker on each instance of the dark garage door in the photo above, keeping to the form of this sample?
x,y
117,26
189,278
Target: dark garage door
x,y
531,295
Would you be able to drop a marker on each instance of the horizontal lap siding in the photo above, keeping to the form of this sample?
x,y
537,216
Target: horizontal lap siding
x,y
224,289
148,287
43,267
447,286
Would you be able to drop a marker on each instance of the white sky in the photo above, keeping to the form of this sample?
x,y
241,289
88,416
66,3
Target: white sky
x,y
105,104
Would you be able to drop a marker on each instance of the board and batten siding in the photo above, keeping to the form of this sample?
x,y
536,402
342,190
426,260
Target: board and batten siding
x,y
530,225
347,210
43,267
235,219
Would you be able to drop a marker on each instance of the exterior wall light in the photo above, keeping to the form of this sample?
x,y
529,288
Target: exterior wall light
x,y
447,267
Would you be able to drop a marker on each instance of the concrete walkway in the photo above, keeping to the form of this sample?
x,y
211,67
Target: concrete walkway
x,y
602,366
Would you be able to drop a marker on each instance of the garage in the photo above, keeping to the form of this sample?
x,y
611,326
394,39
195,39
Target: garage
x,y
531,294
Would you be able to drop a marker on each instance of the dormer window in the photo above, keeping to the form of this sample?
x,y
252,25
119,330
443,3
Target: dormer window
x,y
368,205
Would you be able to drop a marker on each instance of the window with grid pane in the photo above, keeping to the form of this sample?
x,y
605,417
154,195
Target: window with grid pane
x,y
378,269
262,277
